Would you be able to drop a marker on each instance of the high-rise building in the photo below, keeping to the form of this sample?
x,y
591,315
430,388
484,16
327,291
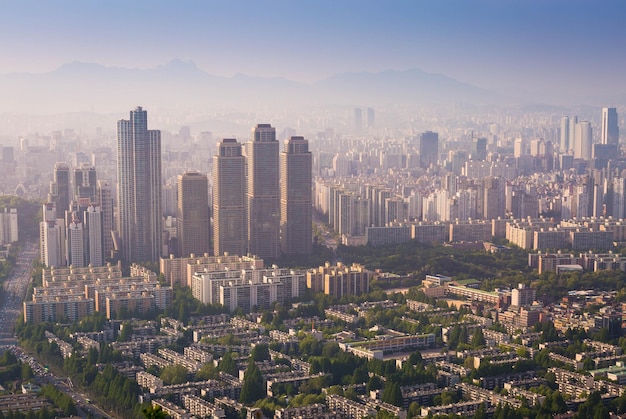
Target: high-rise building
x,y
93,224
85,182
139,188
51,237
263,193
429,149
564,143
610,128
230,230
8,226
192,219
76,244
582,140
371,118
479,149
296,209
358,121
104,199
573,120
60,189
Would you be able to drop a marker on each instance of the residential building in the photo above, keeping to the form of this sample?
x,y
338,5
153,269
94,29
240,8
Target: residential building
x,y
263,195
296,209
139,188
192,219
229,200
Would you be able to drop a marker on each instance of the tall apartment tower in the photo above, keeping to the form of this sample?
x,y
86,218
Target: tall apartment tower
x,y
230,230
52,237
104,199
564,145
60,189
582,140
85,182
610,128
429,149
76,243
139,188
371,118
93,225
358,121
192,218
296,209
573,120
263,193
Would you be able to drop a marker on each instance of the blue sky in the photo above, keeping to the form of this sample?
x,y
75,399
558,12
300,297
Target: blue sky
x,y
495,44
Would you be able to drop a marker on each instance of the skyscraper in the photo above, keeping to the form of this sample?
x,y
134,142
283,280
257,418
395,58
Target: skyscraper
x,y
610,129
479,148
139,188
104,199
192,218
52,237
358,121
429,149
573,120
371,118
295,197
564,143
60,189
263,193
230,230
93,224
76,243
85,182
582,140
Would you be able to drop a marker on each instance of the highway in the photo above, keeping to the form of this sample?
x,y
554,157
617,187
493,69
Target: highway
x,y
15,288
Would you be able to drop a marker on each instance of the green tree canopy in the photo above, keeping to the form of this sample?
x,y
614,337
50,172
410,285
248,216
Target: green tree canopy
x,y
253,388
227,364
174,374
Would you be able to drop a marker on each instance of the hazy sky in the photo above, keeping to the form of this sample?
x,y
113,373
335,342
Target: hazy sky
x,y
498,43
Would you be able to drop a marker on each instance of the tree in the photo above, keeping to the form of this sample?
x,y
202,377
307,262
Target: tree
x,y
174,374
392,394
153,412
260,352
481,412
478,339
414,410
374,383
227,364
126,332
253,387
207,372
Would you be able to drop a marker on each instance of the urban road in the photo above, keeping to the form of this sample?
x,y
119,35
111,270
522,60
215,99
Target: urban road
x,y
15,288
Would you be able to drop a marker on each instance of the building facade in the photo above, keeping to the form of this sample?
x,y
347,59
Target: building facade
x,y
610,127
139,188
193,221
263,194
60,189
296,209
85,182
104,199
229,199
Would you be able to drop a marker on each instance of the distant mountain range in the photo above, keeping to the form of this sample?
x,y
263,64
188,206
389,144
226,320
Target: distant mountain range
x,y
79,86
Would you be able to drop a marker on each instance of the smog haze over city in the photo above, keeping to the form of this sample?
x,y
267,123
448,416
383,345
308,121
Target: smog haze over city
x,y
66,56
313,209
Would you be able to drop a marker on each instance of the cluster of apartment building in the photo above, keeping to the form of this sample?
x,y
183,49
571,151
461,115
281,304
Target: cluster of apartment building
x,y
590,261
69,294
